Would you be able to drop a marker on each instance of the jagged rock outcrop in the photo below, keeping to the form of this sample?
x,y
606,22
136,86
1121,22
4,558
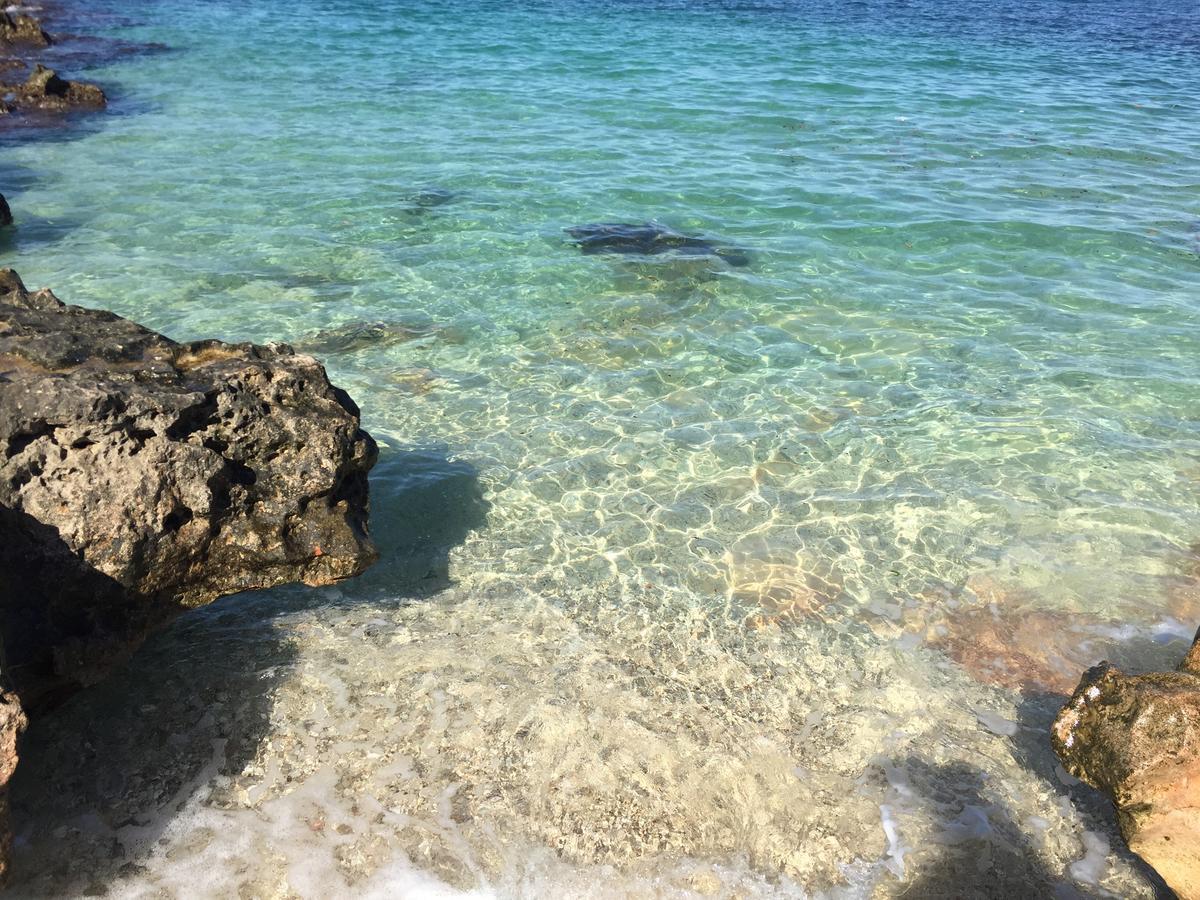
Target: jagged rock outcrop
x,y
12,723
1137,738
18,29
45,90
168,474
140,477
5,213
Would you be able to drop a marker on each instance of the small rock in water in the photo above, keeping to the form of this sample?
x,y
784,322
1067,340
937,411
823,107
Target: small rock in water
x,y
5,213
420,202
16,28
415,381
45,90
649,239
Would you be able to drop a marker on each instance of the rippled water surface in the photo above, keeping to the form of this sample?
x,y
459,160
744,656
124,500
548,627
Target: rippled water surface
x,y
699,579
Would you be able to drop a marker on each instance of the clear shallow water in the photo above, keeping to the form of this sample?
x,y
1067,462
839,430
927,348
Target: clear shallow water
x,y
698,580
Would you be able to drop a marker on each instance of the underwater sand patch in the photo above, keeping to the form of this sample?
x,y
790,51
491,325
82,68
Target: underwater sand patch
x,y
778,586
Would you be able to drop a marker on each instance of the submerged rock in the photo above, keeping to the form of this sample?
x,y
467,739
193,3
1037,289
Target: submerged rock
x,y
16,28
1137,738
649,239
360,335
420,202
5,213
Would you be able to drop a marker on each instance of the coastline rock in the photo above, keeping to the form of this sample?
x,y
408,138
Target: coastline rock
x,y
12,723
6,217
1137,738
649,239
141,477
21,29
45,90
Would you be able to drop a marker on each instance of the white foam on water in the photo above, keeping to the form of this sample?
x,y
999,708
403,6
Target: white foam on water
x,y
1094,864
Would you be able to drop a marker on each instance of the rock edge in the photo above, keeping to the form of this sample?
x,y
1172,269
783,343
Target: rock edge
x,y
140,477
1137,738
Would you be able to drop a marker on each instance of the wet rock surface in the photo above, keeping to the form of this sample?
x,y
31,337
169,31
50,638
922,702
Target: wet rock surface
x,y
649,239
1137,739
17,29
141,477
44,90
6,217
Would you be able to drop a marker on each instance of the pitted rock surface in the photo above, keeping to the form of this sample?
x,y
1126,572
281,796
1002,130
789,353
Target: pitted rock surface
x,y
140,477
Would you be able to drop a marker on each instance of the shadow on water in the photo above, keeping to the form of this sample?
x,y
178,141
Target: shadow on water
x,y
102,777
1031,748
1007,862
985,853
432,505
987,856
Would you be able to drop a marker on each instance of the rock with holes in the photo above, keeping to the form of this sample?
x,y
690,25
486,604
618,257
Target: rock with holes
x,y
140,477
1137,738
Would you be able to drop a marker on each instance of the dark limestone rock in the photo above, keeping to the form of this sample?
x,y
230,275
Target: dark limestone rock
x,y
150,476
649,239
140,477
1137,738
420,202
6,217
45,90
18,29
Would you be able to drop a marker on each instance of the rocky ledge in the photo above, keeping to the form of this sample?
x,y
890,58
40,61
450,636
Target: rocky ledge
x,y
140,477
45,91
21,30
42,90
1137,738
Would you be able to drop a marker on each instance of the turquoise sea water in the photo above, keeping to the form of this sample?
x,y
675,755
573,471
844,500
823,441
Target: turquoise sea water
x,y
698,579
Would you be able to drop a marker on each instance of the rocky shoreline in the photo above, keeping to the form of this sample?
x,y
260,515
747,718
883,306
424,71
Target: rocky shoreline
x,y
27,85
1137,739
142,477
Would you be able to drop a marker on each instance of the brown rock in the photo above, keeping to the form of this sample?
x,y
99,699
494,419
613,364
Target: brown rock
x,y
45,90
162,476
1000,634
19,29
12,723
140,477
1137,738
1021,649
